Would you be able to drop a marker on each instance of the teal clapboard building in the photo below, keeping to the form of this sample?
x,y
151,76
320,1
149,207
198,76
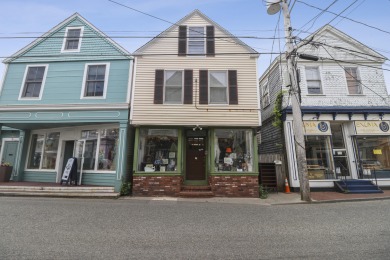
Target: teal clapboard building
x,y
67,94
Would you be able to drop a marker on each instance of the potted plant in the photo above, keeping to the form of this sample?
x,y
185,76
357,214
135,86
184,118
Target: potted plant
x,y
5,171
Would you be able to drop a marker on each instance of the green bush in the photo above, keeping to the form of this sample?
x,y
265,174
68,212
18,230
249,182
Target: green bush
x,y
263,192
125,188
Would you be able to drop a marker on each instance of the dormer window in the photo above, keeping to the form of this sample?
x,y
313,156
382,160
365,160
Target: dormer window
x,y
72,39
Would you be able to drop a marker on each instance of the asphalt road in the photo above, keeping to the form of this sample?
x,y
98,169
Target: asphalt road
x,y
36,228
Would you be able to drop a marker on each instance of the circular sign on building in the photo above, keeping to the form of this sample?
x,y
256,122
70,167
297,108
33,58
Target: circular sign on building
x,y
384,127
323,126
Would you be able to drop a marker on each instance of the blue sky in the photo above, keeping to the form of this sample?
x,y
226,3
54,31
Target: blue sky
x,y
240,17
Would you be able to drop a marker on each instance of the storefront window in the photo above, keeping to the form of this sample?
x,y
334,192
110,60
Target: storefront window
x,y
319,157
46,146
91,138
50,151
157,150
374,154
233,150
108,147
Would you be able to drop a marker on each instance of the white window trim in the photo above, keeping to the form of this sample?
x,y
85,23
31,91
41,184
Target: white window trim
x,y
204,42
262,94
182,87
321,81
227,87
65,37
44,133
65,137
24,81
358,77
82,95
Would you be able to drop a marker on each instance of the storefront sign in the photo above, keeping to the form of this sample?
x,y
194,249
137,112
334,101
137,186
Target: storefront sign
x,y
317,128
372,127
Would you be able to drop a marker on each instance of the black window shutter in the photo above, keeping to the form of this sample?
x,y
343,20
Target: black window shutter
x,y
210,44
188,79
159,87
233,92
203,87
182,40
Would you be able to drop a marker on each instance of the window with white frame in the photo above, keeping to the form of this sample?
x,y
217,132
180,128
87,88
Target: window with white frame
x,y
43,151
353,81
95,80
196,40
173,86
265,96
72,39
313,80
100,149
33,82
218,85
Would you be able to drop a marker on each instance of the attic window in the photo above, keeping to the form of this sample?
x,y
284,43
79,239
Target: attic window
x,y
196,40
72,39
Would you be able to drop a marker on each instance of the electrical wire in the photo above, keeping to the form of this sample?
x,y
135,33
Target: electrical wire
x,y
354,76
347,18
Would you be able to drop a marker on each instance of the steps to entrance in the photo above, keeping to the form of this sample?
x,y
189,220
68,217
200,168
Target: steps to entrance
x,y
196,192
357,186
60,191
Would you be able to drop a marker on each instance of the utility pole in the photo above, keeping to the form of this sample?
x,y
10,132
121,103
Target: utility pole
x,y
274,7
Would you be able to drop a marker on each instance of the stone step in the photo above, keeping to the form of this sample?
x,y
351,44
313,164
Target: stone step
x,y
57,189
195,188
112,195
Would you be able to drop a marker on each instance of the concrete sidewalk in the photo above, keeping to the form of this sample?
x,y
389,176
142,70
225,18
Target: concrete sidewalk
x,y
277,198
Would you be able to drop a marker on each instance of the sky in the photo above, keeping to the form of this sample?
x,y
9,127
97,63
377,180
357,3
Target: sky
x,y
243,18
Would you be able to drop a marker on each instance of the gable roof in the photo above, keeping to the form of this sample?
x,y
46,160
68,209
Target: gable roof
x,y
140,50
329,28
59,27
318,34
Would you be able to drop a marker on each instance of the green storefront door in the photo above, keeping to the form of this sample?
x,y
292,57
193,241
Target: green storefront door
x,y
9,152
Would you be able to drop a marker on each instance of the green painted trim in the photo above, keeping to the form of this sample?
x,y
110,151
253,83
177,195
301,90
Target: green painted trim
x,y
135,152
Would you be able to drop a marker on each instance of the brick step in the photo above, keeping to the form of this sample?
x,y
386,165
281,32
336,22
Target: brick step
x,y
195,188
196,194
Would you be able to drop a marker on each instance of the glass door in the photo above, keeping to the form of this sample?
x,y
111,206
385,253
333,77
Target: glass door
x,y
79,154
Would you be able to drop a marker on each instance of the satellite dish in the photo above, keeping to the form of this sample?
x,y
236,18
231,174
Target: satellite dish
x,y
273,6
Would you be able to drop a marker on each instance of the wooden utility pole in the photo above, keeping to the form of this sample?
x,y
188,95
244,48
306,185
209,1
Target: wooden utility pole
x,y
296,108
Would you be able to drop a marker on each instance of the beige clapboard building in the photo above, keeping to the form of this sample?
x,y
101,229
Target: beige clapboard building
x,y
195,107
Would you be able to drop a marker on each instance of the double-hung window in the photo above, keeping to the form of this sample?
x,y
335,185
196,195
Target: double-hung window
x,y
173,86
353,81
313,80
33,82
265,96
196,40
218,85
95,81
72,39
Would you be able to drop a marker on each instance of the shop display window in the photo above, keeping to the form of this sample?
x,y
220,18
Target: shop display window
x,y
374,154
104,158
44,148
157,150
233,150
319,157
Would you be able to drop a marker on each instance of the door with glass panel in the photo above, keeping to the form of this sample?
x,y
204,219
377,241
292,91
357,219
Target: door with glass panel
x,y
339,151
79,151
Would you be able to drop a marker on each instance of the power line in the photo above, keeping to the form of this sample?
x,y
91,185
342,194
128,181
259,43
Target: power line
x,y
317,16
353,75
161,19
347,18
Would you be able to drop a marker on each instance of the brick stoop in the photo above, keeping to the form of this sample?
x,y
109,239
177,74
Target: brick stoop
x,y
196,192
